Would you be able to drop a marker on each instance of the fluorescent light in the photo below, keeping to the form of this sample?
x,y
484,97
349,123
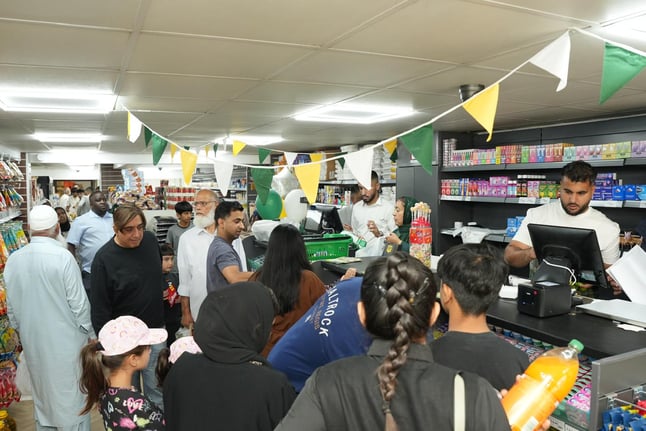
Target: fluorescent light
x,y
69,137
70,156
31,100
354,113
254,140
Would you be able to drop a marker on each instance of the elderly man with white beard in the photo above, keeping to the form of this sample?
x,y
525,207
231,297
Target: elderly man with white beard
x,y
191,255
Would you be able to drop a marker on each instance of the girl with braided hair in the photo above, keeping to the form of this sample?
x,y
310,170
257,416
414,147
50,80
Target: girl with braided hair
x,y
396,386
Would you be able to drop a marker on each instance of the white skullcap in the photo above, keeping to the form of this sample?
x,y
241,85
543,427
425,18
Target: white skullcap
x,y
42,217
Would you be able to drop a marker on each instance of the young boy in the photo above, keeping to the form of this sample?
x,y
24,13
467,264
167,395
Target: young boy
x,y
170,282
184,212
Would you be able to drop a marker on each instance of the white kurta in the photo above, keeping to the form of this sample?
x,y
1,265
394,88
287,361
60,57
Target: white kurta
x,y
381,212
48,306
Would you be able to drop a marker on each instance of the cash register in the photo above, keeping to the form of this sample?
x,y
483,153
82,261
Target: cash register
x,y
566,255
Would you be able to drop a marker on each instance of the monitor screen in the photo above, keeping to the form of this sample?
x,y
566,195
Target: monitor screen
x,y
578,247
323,219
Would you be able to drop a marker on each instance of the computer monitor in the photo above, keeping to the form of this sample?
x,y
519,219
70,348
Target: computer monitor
x,y
573,247
323,219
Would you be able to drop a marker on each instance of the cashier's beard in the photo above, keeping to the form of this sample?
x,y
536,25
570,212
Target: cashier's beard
x,y
204,221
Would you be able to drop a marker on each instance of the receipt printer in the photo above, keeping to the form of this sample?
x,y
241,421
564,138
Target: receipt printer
x,y
544,299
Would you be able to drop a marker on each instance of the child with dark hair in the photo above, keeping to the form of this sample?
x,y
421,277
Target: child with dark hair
x,y
184,212
170,282
472,275
397,385
108,364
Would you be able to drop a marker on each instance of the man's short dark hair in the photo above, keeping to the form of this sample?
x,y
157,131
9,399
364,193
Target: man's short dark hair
x,y
475,273
182,207
166,250
374,176
579,172
226,208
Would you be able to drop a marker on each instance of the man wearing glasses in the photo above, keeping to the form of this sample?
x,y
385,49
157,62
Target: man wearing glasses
x,y
126,275
192,252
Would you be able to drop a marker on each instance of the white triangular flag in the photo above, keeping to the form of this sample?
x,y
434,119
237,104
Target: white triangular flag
x,y
134,127
555,59
360,165
290,157
223,171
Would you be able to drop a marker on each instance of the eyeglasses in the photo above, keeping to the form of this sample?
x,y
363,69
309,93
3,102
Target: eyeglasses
x,y
203,203
130,229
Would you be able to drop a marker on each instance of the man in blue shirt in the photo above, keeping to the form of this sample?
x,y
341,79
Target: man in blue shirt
x,y
89,233
330,330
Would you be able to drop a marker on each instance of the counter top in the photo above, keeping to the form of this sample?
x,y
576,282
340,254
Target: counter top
x,y
601,337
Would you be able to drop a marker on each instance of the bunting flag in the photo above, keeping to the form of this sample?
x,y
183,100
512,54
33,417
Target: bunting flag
x,y
159,146
316,157
308,177
237,147
206,152
482,107
262,154
290,157
187,147
148,135
360,165
262,181
173,149
391,146
555,59
394,156
134,127
189,161
420,145
619,67
342,161
215,150
223,171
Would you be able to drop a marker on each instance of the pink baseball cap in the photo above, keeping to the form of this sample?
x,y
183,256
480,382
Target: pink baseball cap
x,y
181,345
124,333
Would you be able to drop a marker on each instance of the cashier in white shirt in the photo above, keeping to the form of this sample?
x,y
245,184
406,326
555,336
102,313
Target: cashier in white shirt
x,y
372,219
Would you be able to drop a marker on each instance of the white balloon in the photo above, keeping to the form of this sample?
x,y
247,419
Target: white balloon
x,y
284,182
295,209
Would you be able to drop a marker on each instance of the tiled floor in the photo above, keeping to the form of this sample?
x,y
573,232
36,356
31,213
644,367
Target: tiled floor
x,y
23,413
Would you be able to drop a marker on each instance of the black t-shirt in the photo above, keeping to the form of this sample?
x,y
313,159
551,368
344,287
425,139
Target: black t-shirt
x,y
485,354
125,281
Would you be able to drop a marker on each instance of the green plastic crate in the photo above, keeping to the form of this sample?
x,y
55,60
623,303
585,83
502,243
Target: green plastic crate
x,y
328,247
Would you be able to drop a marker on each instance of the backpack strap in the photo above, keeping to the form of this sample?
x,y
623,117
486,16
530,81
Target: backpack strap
x,y
459,402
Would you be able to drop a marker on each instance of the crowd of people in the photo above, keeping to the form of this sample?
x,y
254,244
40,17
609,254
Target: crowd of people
x,y
270,349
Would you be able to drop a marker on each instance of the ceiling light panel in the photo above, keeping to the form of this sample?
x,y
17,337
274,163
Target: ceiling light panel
x,y
354,113
59,102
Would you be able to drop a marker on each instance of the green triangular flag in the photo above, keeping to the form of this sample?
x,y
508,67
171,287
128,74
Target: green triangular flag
x,y
215,149
394,156
619,67
342,161
262,180
262,154
148,134
187,147
420,144
159,146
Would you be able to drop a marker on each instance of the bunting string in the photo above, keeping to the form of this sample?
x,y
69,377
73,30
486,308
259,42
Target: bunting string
x,y
554,58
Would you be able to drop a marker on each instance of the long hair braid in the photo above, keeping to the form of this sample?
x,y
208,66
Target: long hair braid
x,y
407,319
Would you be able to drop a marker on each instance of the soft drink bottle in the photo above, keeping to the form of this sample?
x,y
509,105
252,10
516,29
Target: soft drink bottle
x,y
545,383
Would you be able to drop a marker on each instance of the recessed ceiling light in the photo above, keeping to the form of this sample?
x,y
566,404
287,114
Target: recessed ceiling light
x,y
30,100
69,137
354,113
255,140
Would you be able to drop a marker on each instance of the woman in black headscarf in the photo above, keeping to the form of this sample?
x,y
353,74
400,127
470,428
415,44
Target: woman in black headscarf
x,y
230,385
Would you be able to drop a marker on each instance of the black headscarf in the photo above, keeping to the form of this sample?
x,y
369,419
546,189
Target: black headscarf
x,y
234,323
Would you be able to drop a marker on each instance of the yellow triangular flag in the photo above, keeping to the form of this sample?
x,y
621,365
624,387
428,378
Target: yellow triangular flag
x,y
316,157
308,177
173,149
391,146
189,161
482,107
237,147
206,151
